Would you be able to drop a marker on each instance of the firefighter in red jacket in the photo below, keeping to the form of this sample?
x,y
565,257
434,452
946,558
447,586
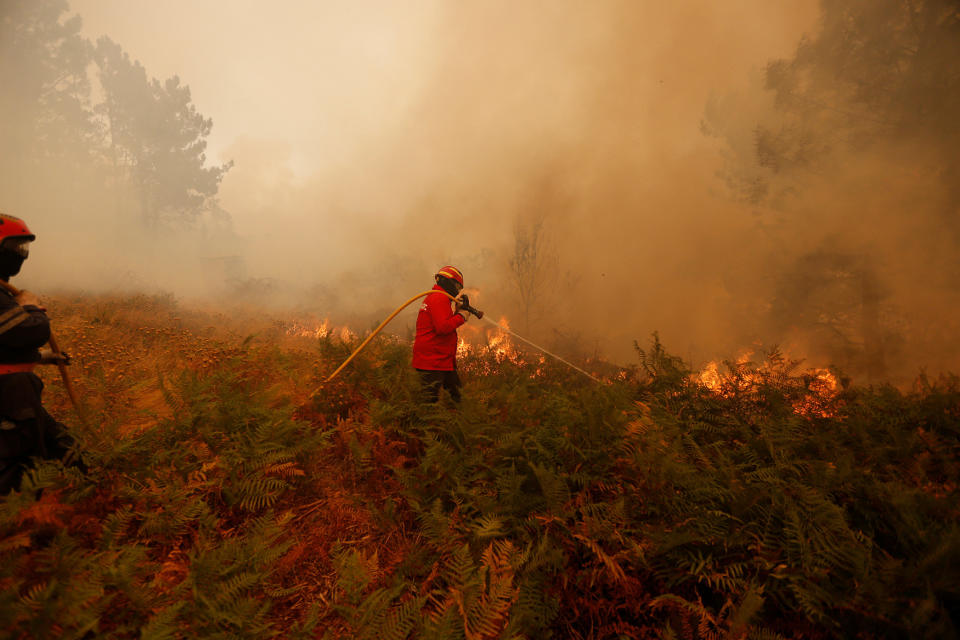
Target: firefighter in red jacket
x,y
26,429
435,347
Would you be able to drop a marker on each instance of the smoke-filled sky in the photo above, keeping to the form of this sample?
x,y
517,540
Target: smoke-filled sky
x,y
316,79
345,119
325,82
372,128
375,141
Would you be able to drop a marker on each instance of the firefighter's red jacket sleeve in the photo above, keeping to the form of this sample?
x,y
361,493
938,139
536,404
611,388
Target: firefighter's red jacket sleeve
x,y
435,347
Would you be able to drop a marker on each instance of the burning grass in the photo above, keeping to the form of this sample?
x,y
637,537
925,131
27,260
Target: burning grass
x,y
226,499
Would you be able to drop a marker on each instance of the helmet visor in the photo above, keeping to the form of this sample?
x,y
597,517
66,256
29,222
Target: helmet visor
x,y
449,285
19,246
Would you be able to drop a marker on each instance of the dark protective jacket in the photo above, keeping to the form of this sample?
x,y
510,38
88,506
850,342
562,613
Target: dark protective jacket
x,y
23,330
435,347
26,429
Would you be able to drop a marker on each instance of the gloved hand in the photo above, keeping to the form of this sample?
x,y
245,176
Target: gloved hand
x,y
463,302
48,357
460,304
26,298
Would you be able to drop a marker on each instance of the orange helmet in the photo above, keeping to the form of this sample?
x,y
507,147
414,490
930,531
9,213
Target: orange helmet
x,y
453,273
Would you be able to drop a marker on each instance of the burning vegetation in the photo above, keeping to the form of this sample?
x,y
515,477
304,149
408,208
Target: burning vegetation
x,y
821,386
481,346
225,496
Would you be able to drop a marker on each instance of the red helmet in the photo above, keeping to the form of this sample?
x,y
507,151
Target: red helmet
x,y
453,273
14,234
11,227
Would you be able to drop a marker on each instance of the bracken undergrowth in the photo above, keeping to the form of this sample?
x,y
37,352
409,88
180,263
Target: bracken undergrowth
x,y
230,494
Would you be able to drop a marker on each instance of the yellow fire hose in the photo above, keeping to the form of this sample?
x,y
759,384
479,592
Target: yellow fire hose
x,y
382,325
465,306
56,353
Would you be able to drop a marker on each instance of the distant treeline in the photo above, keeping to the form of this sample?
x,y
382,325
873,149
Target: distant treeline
x,y
85,128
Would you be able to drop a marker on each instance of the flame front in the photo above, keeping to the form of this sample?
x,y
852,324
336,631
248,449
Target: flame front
x,y
821,387
495,343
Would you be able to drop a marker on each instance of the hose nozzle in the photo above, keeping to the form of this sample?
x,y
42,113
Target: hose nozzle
x,y
465,305
475,312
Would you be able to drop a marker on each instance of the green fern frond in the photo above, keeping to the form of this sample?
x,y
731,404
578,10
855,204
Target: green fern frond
x,y
399,621
114,526
489,526
256,493
163,625
553,487
459,568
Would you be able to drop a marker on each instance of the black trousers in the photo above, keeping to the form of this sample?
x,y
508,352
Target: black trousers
x,y
433,381
26,429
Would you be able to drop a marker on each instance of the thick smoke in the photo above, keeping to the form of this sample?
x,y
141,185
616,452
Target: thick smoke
x,y
589,119
620,136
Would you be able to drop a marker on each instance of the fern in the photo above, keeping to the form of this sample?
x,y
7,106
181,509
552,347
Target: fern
x,y
489,526
163,625
256,493
544,506
554,489
354,572
378,616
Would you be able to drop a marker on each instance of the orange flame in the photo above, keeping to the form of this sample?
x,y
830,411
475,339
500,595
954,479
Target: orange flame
x,y
301,330
495,343
821,385
820,403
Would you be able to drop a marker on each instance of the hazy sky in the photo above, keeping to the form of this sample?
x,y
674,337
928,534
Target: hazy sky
x,y
320,77
324,82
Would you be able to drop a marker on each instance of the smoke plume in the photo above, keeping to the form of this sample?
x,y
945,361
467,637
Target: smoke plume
x,y
642,145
